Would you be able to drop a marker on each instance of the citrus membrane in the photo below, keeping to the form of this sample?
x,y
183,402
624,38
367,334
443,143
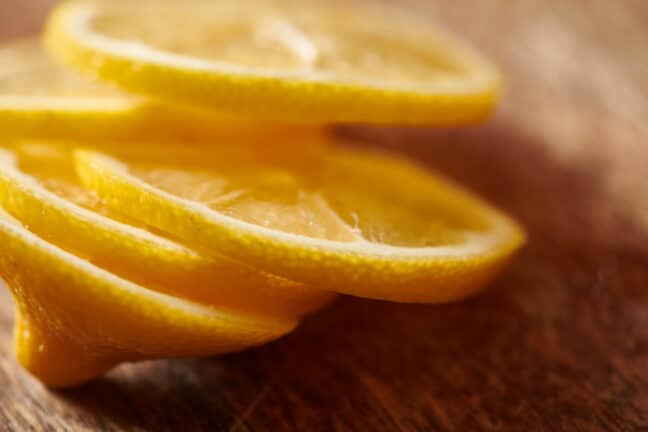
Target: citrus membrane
x,y
40,98
38,185
75,320
287,60
359,222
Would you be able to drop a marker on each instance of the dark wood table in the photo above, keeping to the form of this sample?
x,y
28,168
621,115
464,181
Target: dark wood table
x,y
559,342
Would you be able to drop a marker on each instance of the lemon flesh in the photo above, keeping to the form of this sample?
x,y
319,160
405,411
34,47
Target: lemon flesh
x,y
355,221
282,60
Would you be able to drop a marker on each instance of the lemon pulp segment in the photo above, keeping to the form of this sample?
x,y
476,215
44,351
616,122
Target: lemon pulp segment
x,y
285,60
359,222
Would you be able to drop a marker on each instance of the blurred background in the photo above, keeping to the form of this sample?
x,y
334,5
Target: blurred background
x,y
21,18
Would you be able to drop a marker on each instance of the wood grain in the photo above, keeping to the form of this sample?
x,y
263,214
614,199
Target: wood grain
x,y
559,342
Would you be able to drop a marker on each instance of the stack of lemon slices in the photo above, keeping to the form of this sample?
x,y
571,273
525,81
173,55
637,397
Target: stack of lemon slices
x,y
169,189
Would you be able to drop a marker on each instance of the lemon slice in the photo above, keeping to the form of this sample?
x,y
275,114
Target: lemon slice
x,y
76,320
38,185
39,98
290,60
360,222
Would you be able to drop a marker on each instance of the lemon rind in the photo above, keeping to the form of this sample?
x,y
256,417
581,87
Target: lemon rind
x,y
426,274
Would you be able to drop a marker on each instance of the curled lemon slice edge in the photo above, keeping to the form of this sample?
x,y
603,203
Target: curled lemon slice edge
x,y
76,320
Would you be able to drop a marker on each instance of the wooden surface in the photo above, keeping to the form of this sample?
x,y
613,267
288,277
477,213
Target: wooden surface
x,y
559,342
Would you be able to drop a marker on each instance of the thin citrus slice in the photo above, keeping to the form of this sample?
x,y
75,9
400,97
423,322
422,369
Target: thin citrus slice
x,y
75,320
39,98
360,222
38,185
289,60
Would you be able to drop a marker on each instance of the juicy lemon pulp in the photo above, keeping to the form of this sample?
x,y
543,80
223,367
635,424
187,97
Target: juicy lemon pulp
x,y
325,202
282,37
284,60
325,222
